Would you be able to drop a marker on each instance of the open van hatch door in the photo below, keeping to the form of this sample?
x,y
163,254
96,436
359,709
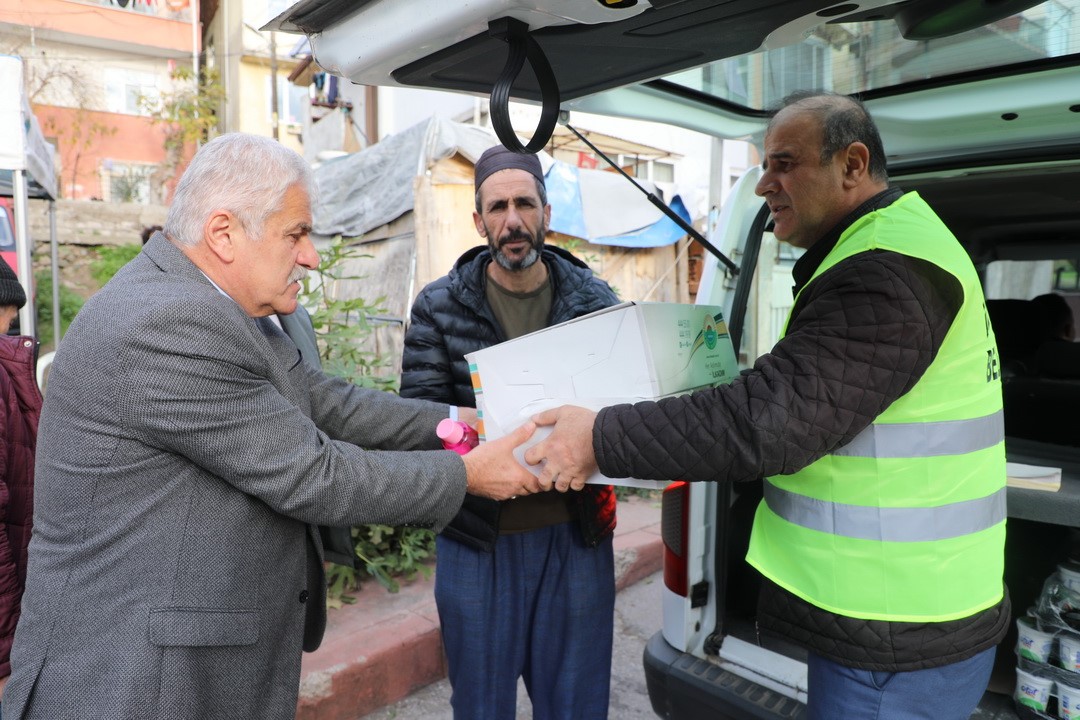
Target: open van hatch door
x,y
716,66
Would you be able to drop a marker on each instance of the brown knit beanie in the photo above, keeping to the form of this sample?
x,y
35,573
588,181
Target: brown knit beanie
x,y
11,292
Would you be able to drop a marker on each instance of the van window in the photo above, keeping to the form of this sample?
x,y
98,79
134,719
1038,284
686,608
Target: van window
x,y
855,57
1033,306
1025,279
771,298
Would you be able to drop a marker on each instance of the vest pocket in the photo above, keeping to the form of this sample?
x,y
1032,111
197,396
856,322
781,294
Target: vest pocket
x,y
196,627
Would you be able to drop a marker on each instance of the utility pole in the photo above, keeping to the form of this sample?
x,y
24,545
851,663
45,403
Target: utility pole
x,y
196,46
273,85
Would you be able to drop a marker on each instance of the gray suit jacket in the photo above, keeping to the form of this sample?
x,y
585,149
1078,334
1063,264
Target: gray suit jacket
x,y
337,542
300,330
183,457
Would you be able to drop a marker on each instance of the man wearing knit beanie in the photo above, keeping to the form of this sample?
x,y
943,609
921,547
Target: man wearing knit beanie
x,y
12,297
525,587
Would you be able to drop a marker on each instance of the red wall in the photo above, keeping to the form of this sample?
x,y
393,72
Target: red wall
x,y
114,24
84,138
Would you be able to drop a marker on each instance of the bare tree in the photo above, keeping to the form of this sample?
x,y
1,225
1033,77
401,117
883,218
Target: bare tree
x,y
60,82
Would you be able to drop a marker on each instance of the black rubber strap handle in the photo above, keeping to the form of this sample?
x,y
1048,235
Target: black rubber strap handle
x,y
522,47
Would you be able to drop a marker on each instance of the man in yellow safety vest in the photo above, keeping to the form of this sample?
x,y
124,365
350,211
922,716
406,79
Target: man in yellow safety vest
x,y
876,423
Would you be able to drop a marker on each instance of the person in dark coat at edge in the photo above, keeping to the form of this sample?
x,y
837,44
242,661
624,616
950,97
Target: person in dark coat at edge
x,y
876,422
524,587
20,408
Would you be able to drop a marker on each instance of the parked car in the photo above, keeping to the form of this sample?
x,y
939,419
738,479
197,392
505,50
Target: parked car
x,y
7,233
978,104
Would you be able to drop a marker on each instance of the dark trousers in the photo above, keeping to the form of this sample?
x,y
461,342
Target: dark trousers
x,y
950,692
540,607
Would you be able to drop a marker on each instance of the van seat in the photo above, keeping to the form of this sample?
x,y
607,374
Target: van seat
x,y
1042,409
1058,359
1018,332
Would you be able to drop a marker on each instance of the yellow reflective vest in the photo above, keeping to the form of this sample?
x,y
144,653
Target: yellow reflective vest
x,y
906,522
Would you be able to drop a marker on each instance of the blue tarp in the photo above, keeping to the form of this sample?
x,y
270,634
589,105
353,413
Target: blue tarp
x,y
611,203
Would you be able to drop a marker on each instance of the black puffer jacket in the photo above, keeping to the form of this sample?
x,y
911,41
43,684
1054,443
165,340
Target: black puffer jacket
x,y
451,318
859,338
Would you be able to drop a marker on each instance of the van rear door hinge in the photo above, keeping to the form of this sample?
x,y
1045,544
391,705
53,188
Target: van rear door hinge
x,y
699,594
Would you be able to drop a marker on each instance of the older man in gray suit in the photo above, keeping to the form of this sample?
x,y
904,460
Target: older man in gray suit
x,y
186,453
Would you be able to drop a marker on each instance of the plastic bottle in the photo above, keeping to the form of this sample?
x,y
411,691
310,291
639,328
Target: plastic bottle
x,y
457,435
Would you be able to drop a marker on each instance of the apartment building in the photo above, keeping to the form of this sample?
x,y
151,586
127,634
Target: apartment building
x,y
88,63
253,69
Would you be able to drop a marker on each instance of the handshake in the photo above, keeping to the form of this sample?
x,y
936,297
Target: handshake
x,y
562,461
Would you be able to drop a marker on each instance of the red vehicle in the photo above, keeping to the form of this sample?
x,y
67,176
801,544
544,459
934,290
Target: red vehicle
x,y
7,233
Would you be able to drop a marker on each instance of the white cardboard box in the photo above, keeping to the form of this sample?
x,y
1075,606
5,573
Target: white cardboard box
x,y
626,353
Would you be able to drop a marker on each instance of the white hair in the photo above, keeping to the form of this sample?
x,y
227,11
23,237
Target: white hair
x,y
245,174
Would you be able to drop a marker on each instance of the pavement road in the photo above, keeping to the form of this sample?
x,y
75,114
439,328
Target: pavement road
x,y
637,617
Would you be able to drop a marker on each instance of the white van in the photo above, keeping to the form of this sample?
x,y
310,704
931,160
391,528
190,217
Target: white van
x,y
978,104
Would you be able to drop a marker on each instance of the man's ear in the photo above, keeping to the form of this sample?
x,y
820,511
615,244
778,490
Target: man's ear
x,y
856,164
479,221
221,232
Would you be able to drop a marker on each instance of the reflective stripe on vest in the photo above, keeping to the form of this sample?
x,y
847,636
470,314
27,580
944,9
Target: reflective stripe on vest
x,y
888,524
908,440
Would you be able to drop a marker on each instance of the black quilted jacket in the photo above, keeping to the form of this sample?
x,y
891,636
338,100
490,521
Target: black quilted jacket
x,y
451,318
860,336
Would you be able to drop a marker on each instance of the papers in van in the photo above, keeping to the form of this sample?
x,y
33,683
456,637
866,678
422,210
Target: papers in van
x,y
1033,477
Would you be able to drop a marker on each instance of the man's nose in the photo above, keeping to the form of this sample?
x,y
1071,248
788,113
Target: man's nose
x,y
513,218
764,185
308,256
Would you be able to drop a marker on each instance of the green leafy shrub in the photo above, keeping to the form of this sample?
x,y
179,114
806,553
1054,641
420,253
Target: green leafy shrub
x,y
111,258
107,261
341,324
70,303
342,327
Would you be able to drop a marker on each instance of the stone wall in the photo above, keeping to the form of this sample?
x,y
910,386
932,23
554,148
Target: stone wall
x,y
81,228
79,222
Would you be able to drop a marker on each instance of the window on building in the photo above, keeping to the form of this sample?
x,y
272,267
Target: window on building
x,y
290,99
635,166
648,169
124,88
126,182
662,172
296,96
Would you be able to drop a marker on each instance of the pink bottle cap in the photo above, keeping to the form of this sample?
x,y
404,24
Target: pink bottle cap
x,y
451,432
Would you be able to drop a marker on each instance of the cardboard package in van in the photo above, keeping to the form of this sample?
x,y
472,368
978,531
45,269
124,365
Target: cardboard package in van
x,y
622,354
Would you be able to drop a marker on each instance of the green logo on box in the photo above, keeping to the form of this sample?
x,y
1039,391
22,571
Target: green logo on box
x,y
709,333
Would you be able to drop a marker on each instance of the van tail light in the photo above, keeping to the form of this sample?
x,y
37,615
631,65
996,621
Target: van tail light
x,y
674,522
